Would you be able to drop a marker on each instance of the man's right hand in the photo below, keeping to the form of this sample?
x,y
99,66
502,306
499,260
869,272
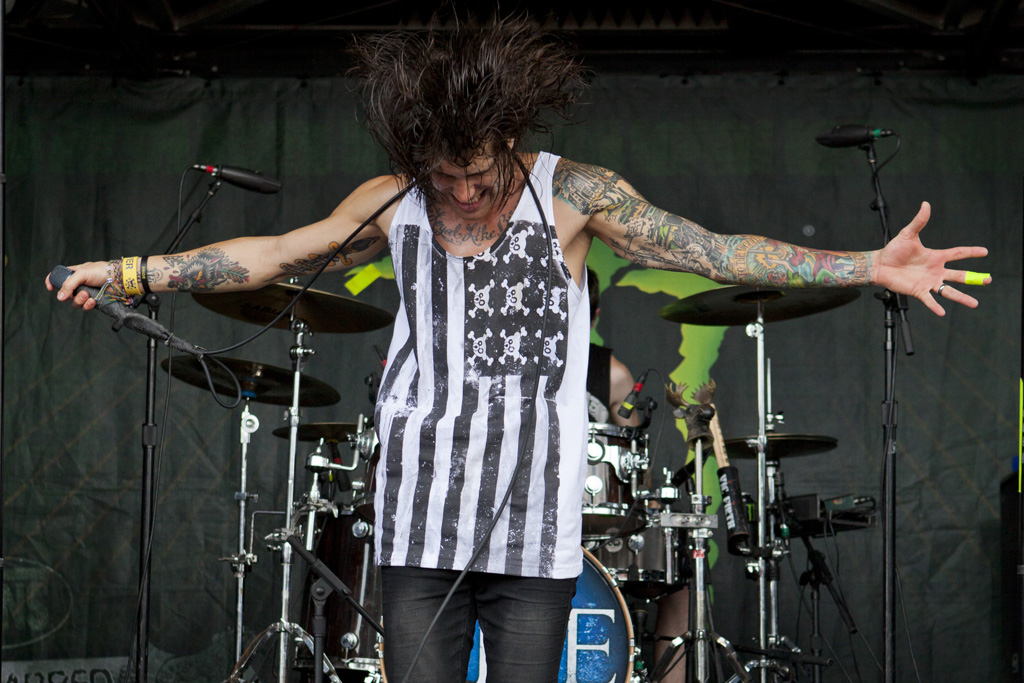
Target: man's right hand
x,y
92,274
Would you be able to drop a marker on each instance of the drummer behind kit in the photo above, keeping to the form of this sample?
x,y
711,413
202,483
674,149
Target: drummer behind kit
x,y
633,542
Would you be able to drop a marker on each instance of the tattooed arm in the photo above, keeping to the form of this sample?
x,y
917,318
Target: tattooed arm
x,y
253,262
648,236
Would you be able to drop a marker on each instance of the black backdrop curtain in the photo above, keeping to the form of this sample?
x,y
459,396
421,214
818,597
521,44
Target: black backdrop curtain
x,y
93,170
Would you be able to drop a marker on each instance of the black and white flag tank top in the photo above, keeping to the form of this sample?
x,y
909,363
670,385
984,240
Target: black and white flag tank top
x,y
475,340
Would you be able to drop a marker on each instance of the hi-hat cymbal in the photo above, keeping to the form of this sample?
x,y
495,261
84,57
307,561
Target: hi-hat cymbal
x,y
737,304
323,311
260,382
781,445
314,431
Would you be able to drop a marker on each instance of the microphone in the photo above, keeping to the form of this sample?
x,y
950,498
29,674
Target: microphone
x,y
240,177
126,317
626,409
852,136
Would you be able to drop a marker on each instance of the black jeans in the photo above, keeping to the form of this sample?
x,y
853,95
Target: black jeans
x,y
523,621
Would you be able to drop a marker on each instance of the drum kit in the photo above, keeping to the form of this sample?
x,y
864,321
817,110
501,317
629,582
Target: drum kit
x,y
636,544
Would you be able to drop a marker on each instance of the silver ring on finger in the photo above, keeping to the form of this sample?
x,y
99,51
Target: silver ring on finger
x,y
941,287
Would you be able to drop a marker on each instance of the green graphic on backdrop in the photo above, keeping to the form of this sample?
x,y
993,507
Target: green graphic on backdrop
x,y
698,344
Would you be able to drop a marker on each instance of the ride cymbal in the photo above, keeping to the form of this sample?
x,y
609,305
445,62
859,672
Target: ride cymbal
x,y
738,304
781,445
260,382
323,311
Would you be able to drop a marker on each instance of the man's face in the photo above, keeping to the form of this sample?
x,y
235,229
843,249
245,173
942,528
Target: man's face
x,y
470,191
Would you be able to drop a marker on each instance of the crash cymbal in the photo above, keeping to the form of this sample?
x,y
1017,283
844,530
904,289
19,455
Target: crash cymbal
x,y
260,382
314,431
737,304
781,445
323,311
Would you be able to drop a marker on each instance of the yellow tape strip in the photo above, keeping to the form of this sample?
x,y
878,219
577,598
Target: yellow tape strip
x,y
363,279
976,278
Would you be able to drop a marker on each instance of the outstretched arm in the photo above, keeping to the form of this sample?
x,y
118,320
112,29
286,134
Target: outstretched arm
x,y
252,262
651,237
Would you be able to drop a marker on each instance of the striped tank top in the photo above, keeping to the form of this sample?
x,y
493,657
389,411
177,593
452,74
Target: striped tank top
x,y
475,340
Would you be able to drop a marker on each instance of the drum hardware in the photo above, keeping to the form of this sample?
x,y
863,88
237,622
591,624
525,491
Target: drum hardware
x,y
700,636
243,561
753,307
312,503
616,457
261,383
332,313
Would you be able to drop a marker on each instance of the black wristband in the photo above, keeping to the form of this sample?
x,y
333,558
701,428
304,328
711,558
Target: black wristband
x,y
144,275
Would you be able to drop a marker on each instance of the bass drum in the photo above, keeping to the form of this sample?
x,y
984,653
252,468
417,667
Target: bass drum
x,y
345,545
599,640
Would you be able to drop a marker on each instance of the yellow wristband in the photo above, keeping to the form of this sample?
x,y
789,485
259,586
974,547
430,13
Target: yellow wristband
x,y
130,275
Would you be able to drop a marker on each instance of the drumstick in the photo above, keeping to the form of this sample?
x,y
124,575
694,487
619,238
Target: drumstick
x,y
719,443
732,497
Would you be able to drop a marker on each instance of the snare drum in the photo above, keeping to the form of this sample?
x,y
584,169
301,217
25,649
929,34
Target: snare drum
x,y
616,457
599,641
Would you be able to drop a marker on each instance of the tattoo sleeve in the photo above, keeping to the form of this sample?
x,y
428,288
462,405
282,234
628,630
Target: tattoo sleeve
x,y
314,262
203,271
651,237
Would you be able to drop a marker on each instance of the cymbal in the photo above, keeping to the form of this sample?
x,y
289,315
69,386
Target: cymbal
x,y
260,382
323,311
314,431
737,304
781,445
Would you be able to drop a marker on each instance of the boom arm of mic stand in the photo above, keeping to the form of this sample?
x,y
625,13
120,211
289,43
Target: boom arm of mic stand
x,y
325,573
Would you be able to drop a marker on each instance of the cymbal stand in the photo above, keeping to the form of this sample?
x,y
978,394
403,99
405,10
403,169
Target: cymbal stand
x,y
299,353
242,562
769,549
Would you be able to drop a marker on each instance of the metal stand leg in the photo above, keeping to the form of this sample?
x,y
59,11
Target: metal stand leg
x,y
243,560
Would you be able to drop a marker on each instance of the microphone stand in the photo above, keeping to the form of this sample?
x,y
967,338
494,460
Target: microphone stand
x,y
149,443
3,307
895,314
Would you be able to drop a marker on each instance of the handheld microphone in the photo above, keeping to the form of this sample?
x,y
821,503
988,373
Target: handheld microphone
x,y
240,177
626,409
852,136
126,317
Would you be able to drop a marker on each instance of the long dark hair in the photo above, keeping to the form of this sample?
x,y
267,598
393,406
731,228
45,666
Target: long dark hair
x,y
450,96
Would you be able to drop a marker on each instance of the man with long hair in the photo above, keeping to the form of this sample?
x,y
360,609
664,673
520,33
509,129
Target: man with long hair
x,y
481,413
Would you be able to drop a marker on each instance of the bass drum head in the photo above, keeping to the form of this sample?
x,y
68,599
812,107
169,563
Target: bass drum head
x,y
598,645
